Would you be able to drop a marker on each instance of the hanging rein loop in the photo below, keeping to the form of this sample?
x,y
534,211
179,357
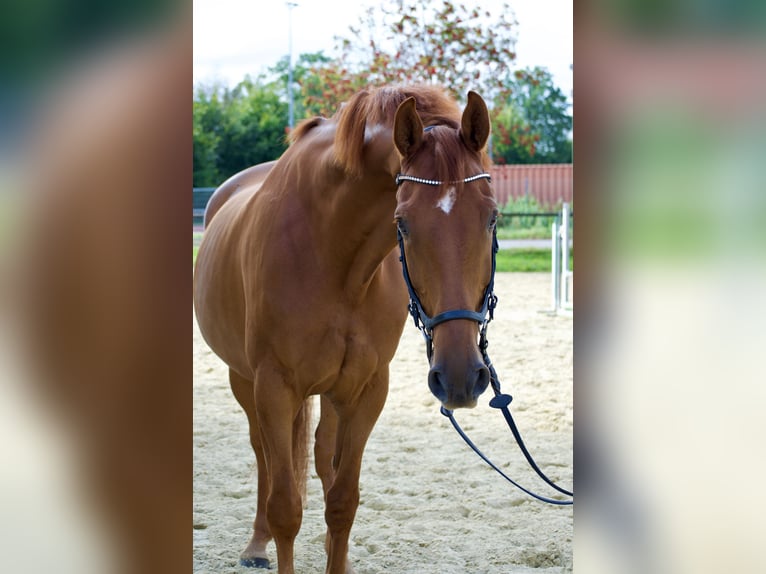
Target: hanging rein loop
x,y
426,324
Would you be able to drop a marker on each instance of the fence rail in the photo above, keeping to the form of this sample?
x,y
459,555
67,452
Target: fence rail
x,y
200,197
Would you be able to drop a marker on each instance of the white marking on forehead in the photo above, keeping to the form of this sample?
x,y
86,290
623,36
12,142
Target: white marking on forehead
x,y
448,200
371,132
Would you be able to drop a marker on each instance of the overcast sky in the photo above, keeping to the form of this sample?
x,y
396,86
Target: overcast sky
x,y
236,37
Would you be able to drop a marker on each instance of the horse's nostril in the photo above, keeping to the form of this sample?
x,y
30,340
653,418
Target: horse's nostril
x,y
473,384
436,384
482,381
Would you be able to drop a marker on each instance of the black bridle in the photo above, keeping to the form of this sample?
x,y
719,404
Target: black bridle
x,y
423,321
426,325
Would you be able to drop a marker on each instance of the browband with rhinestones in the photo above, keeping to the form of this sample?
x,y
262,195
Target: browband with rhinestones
x,y
400,178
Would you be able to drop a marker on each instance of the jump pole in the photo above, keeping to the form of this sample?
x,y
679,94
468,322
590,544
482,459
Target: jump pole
x,y
561,275
555,267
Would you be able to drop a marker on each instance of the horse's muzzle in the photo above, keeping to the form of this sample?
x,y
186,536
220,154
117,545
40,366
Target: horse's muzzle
x,y
456,389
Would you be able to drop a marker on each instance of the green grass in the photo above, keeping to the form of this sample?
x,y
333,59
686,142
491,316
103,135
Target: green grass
x,y
526,260
196,238
508,260
523,233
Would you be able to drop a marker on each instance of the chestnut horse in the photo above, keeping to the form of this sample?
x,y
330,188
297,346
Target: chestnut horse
x,y
299,289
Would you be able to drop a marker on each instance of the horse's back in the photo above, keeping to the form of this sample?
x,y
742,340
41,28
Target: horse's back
x,y
248,179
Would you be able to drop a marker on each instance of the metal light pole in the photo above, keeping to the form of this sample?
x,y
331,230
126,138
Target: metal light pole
x,y
291,113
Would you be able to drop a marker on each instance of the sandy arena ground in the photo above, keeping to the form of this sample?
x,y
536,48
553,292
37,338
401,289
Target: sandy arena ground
x,y
428,505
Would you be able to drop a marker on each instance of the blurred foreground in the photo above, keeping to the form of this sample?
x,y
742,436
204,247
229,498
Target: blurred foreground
x,y
670,186
96,168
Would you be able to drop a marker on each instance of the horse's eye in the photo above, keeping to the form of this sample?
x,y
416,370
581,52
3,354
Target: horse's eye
x,y
493,220
401,225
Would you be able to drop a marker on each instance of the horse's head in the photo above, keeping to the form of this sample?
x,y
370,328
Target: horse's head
x,y
446,219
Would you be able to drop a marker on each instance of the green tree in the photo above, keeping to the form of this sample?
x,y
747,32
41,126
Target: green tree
x,y
533,123
207,126
254,127
305,79
512,138
236,128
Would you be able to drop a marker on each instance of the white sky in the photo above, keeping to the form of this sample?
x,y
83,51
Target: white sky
x,y
236,37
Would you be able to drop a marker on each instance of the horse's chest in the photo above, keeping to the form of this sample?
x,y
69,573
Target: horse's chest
x,y
331,358
350,351
326,346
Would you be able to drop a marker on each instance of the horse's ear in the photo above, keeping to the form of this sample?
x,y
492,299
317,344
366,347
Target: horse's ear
x,y
474,127
408,128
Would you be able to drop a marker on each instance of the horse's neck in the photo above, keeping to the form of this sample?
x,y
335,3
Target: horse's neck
x,y
351,218
359,229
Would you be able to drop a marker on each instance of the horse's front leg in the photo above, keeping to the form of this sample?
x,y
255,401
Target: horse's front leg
x,y
254,554
324,445
355,422
277,406
324,452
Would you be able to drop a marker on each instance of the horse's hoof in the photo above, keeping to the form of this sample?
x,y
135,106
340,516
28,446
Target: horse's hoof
x,y
255,563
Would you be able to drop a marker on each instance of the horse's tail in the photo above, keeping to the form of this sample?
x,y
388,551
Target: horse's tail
x,y
301,436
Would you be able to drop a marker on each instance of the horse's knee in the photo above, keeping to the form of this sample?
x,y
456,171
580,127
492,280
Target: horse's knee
x,y
284,511
341,508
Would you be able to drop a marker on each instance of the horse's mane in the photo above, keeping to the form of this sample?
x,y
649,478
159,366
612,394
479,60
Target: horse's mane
x,y
303,127
377,106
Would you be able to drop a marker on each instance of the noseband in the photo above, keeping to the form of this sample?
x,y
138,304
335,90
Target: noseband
x,y
423,321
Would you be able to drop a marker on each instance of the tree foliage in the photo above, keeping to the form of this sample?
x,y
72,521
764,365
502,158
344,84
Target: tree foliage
x,y
236,128
207,126
533,123
512,139
307,86
425,41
